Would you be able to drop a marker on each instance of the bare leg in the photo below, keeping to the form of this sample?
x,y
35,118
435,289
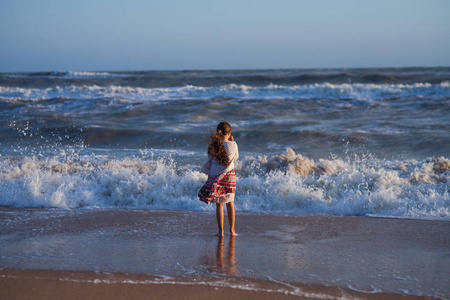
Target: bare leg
x,y
219,215
231,217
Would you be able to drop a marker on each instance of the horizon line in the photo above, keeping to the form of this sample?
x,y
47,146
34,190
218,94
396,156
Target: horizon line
x,y
232,69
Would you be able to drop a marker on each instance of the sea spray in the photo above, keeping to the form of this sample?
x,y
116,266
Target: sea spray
x,y
284,183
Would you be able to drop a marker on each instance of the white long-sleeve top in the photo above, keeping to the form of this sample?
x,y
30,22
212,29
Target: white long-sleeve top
x,y
233,155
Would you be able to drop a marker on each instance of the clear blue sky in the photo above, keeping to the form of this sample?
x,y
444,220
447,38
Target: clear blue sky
x,y
42,35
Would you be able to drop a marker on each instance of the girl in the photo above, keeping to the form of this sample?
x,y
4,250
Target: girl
x,y
221,184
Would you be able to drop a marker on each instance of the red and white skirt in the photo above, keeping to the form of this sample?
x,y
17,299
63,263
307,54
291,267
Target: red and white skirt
x,y
219,189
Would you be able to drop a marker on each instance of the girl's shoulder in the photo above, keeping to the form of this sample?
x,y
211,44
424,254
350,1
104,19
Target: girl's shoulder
x,y
230,143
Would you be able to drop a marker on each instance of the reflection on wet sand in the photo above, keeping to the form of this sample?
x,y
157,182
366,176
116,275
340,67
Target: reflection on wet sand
x,y
226,264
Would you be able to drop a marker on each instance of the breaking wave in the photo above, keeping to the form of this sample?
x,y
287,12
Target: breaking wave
x,y
322,90
285,183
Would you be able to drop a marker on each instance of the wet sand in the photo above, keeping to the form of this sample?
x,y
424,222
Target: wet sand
x,y
174,255
42,284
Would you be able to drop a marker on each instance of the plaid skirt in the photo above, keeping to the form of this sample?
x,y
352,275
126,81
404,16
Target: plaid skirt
x,y
219,189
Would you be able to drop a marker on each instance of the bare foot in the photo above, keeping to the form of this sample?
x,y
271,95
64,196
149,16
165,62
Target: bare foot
x,y
220,233
232,233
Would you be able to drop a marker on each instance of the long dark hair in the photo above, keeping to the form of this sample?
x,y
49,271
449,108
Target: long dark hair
x,y
215,145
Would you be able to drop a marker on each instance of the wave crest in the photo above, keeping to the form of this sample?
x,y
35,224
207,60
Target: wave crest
x,y
324,90
283,183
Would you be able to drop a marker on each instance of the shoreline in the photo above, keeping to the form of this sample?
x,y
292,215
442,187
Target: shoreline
x,y
325,253
48,284
212,212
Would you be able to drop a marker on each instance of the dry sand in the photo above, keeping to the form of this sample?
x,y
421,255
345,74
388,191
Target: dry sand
x,y
118,254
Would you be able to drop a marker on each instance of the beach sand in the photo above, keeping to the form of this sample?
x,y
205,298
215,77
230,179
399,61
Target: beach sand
x,y
41,284
118,254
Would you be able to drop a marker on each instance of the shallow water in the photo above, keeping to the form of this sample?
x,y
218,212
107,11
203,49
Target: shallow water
x,y
372,255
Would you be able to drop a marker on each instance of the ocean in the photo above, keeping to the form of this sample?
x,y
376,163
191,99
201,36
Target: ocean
x,y
354,142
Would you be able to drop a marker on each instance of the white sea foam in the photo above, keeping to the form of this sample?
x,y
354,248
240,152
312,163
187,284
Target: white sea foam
x,y
73,74
285,183
323,90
